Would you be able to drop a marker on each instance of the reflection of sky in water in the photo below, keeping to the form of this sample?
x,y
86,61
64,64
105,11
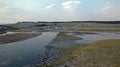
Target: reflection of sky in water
x,y
23,52
100,36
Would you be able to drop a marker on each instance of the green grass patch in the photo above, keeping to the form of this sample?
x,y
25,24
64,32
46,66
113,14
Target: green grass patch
x,y
103,53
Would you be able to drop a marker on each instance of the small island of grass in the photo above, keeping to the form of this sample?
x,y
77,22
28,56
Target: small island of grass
x,y
65,36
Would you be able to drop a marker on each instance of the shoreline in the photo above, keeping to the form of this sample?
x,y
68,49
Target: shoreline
x,y
9,38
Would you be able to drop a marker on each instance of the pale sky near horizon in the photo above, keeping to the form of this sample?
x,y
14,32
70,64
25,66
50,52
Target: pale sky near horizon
x,y
12,11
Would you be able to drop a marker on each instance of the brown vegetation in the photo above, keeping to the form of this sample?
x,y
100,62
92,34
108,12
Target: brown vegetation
x,y
15,37
64,36
103,53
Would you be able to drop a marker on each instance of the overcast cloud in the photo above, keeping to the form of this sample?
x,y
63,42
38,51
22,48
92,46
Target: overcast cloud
x,y
12,11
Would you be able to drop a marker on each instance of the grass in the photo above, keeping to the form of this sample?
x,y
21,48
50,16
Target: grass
x,y
15,37
103,53
64,36
95,29
99,54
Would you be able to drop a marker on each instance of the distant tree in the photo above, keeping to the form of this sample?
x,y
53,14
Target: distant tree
x,y
41,25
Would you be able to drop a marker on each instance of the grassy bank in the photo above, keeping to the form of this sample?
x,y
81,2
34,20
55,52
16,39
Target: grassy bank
x,y
103,53
16,37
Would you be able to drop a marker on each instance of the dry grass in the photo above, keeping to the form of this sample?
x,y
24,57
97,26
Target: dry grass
x,y
15,37
63,36
95,29
103,53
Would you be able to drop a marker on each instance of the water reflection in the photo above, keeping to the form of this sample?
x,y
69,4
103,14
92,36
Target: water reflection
x,y
87,37
23,52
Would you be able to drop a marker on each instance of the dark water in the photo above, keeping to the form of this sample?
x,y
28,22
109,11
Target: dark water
x,y
23,52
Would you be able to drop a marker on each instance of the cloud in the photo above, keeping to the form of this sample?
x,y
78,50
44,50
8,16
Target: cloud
x,y
5,10
50,6
109,12
7,15
107,8
70,5
108,5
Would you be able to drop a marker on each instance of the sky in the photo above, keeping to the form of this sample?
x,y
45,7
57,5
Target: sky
x,y
12,11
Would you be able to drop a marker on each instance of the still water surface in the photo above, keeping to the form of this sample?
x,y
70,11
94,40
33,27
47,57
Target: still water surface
x,y
23,52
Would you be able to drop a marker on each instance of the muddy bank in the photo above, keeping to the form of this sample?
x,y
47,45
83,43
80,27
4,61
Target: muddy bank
x,y
8,38
64,39
105,54
53,49
65,36
53,56
44,59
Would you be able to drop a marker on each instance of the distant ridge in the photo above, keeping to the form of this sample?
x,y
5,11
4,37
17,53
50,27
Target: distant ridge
x,y
105,22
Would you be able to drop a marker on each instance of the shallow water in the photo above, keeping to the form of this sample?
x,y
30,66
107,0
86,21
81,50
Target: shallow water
x,y
86,38
23,52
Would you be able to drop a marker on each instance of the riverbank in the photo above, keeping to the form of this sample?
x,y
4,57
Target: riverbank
x,y
103,53
8,38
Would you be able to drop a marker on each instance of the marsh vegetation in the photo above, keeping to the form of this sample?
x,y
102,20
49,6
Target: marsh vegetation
x,y
103,53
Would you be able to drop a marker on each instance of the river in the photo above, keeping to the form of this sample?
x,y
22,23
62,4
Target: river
x,y
23,52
